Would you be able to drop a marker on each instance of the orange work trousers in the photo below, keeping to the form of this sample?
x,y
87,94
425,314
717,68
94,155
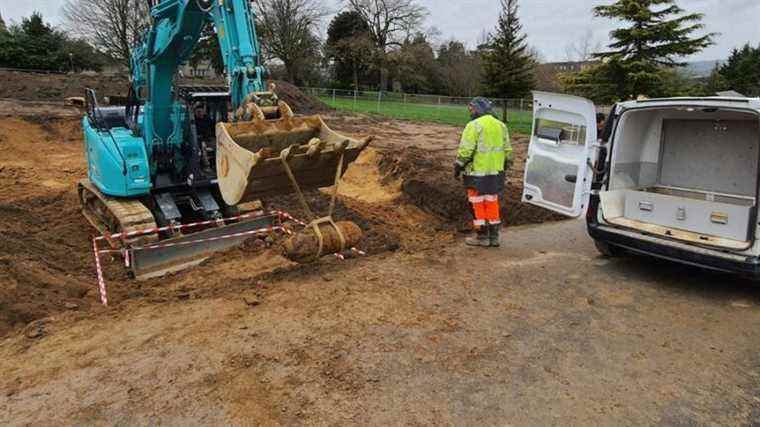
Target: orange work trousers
x,y
485,208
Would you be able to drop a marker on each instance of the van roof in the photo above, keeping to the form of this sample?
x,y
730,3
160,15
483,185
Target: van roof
x,y
708,101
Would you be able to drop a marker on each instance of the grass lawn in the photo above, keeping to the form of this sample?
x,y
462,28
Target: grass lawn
x,y
456,115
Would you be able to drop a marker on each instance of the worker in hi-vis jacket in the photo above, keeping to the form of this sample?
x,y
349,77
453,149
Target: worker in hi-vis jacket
x,y
484,154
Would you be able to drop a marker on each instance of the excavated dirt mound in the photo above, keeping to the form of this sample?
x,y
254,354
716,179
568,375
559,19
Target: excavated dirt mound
x,y
56,87
45,263
299,101
428,183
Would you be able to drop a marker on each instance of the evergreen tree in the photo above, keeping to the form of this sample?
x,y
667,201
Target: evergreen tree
x,y
715,83
742,71
350,49
35,44
658,36
508,66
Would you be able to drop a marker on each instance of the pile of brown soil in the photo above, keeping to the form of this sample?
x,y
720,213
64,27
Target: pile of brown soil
x,y
56,87
45,256
45,262
299,101
428,183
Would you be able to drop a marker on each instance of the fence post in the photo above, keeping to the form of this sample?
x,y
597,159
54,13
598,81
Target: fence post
x,y
334,97
356,93
379,99
522,104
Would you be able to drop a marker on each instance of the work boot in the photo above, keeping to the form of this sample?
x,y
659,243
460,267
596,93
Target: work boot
x,y
493,235
479,239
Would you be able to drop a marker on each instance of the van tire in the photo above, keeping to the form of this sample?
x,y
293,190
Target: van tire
x,y
608,250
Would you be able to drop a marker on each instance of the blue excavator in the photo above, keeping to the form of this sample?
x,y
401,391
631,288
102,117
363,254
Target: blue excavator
x,y
177,154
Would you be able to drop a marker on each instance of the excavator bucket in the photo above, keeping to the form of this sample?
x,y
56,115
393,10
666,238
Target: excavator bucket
x,y
251,157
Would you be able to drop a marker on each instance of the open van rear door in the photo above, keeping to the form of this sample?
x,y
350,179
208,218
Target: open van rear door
x,y
557,173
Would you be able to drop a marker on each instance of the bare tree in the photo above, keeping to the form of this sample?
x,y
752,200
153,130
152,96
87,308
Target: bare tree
x,y
113,26
289,31
583,49
390,22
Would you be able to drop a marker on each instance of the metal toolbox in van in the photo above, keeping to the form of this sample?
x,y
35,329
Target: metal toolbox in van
x,y
730,221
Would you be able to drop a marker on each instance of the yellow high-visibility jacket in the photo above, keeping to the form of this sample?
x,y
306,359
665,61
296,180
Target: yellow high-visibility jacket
x,y
485,147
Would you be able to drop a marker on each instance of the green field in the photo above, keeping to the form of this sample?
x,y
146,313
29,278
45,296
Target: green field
x,y
456,115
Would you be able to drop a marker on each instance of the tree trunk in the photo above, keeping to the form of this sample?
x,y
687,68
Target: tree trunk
x,y
356,76
290,72
383,79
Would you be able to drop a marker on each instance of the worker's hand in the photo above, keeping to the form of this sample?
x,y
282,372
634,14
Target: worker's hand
x,y
457,170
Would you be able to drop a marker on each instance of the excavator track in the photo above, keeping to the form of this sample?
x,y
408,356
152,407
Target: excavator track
x,y
110,215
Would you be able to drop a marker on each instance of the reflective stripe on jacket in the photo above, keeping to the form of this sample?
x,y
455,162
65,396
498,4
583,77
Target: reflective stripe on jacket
x,y
485,147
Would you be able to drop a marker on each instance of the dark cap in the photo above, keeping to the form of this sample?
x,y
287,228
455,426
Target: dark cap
x,y
481,105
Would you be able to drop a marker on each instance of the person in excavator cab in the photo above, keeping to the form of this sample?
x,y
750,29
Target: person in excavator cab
x,y
484,155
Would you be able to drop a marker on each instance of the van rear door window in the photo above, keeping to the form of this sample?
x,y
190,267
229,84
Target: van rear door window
x,y
554,132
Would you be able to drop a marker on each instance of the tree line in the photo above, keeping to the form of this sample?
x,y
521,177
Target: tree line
x,y
34,44
386,46
646,56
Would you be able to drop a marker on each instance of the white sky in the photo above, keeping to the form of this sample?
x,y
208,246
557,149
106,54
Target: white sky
x,y
550,24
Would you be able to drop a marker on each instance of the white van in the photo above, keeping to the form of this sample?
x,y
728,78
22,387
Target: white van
x,y
673,178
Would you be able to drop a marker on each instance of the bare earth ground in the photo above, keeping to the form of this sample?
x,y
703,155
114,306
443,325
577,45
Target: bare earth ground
x,y
423,331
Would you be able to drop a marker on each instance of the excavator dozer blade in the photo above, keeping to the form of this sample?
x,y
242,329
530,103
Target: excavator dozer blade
x,y
250,156
176,254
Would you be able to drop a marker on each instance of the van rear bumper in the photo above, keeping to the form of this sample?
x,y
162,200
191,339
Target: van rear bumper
x,y
747,266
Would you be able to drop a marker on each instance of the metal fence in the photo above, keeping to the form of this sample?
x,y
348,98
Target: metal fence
x,y
441,109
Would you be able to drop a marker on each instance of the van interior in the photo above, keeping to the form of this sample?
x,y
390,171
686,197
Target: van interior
x,y
688,173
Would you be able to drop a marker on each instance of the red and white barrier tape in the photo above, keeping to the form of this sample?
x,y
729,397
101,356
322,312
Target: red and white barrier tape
x,y
192,242
287,216
99,272
154,230
127,253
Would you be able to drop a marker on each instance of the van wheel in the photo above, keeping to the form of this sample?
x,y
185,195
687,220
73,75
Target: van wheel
x,y
608,250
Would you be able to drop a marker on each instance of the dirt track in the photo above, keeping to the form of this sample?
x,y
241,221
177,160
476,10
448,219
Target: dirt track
x,y
423,331
541,332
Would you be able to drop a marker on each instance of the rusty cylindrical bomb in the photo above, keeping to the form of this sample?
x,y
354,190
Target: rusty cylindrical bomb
x,y
304,246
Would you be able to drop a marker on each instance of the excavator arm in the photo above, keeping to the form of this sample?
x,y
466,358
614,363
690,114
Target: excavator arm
x,y
174,33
